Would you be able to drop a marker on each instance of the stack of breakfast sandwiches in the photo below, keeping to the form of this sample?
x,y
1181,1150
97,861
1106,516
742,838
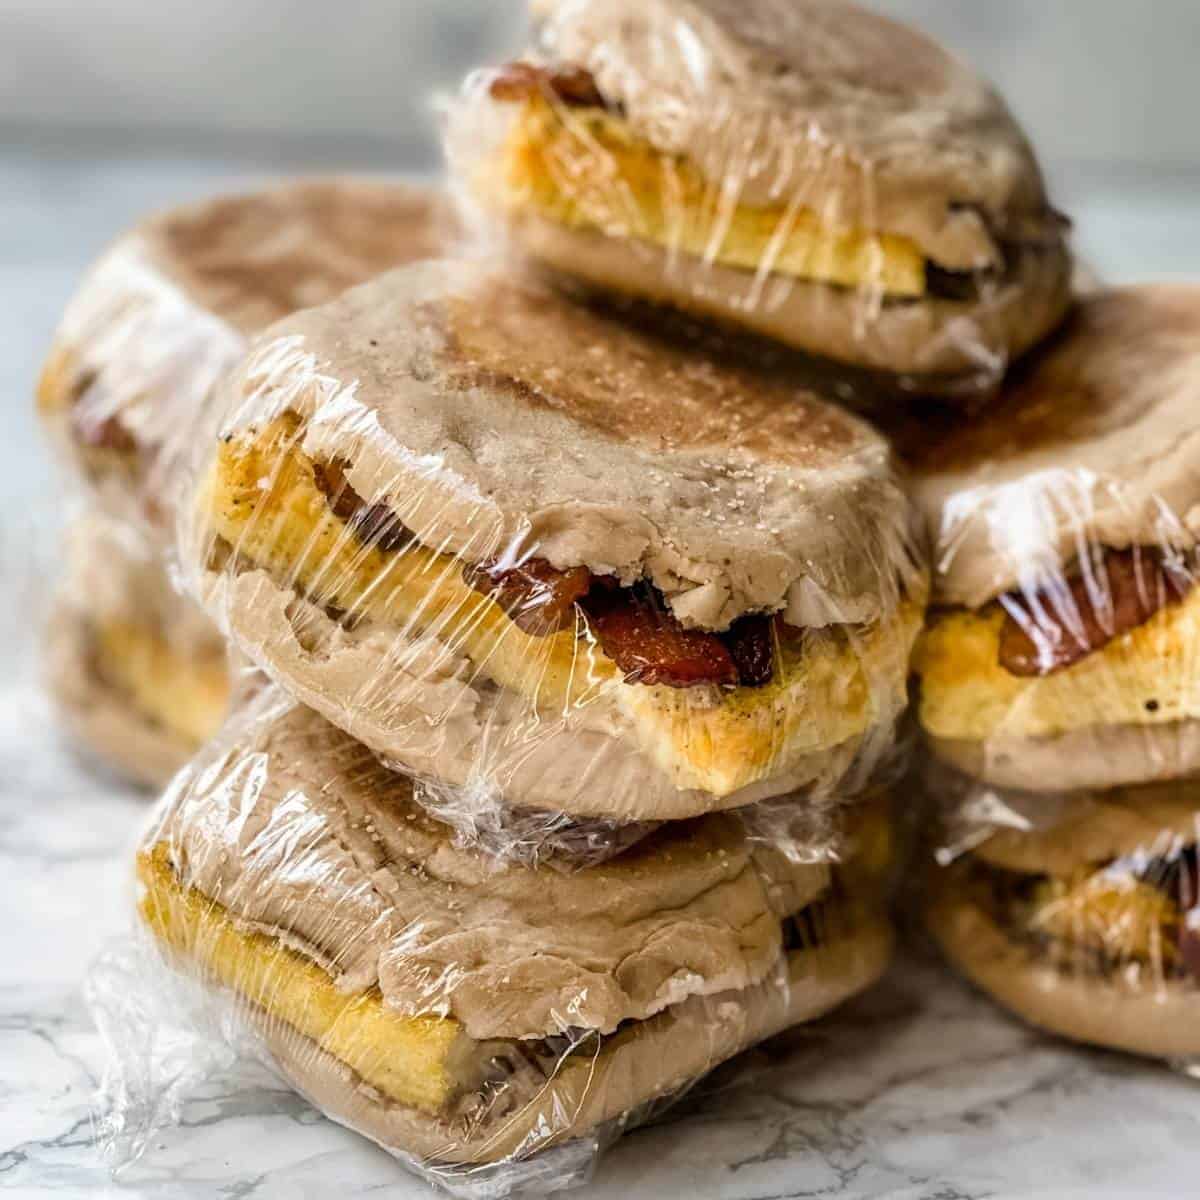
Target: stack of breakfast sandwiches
x,y
551,585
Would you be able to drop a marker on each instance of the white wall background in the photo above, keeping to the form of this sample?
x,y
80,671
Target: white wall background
x,y
1096,81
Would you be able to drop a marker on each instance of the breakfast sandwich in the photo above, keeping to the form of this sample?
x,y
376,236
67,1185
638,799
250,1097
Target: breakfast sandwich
x,y
459,1010
1061,651
802,169
518,546
137,672
170,306
1084,919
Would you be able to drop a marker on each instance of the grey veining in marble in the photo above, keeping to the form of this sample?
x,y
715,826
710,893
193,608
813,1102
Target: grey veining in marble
x,y
920,1090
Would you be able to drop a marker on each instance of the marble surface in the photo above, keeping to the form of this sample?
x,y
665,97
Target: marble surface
x,y
919,1090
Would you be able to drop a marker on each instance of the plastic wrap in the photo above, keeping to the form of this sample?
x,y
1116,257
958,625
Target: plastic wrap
x,y
127,392
1079,911
1058,681
491,1024
545,560
1061,652
139,675
130,379
801,169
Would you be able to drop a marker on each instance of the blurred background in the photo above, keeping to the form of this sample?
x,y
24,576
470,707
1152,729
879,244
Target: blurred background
x,y
109,109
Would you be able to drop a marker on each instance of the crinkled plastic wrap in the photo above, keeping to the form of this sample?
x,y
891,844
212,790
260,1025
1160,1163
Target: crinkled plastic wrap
x,y
1058,681
129,389
551,563
130,381
1079,910
139,675
804,170
492,1024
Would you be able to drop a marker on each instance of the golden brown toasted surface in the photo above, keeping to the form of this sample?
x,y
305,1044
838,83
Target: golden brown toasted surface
x,y
1109,367
251,259
130,382
1094,440
600,372
909,139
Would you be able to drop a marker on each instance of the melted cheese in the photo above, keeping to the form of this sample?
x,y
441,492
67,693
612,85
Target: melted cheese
x,y
408,1059
185,694
1145,677
585,168
830,685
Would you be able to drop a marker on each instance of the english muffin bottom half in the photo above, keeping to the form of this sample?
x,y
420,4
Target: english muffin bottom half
x,y
170,306
1083,915
465,1011
526,550
138,674
1063,645
802,169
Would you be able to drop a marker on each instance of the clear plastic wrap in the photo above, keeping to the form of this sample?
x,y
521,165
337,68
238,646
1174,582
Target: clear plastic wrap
x,y
129,388
139,675
1079,911
492,1024
804,170
130,380
545,560
1058,682
1061,651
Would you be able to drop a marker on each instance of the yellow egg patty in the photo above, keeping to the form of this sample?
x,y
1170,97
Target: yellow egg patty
x,y
587,169
186,694
408,1059
1147,676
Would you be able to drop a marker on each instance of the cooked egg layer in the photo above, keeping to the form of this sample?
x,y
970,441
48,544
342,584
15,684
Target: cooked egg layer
x,y
1148,676
587,169
184,693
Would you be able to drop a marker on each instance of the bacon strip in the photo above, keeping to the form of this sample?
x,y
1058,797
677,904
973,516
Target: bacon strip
x,y
752,646
374,524
538,597
1046,632
573,86
633,625
649,645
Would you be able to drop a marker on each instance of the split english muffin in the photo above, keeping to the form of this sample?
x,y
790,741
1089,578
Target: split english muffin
x,y
1062,651
462,1011
522,548
138,674
802,169
1088,926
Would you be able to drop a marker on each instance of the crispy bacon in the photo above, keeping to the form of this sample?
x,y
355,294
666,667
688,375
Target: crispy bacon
x,y
752,646
1047,633
649,645
573,86
633,625
374,524
538,597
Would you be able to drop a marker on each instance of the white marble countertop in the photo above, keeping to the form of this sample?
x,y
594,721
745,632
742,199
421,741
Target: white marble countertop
x,y
920,1089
